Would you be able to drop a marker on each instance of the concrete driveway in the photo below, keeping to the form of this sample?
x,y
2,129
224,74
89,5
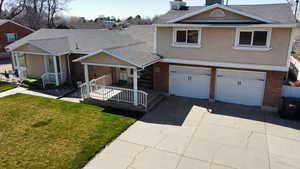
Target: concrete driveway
x,y
191,134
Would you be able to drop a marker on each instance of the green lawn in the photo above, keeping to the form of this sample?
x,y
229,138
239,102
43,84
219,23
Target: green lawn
x,y
4,86
41,133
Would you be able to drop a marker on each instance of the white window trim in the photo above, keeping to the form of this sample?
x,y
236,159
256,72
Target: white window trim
x,y
186,45
11,34
237,46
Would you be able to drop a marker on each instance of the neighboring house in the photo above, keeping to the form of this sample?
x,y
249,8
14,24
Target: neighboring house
x,y
11,31
237,54
81,25
295,60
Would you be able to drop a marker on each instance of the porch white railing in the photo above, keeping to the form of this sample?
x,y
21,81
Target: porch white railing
x,y
50,78
110,93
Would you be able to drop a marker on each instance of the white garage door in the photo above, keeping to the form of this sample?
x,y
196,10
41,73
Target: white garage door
x,y
240,87
191,82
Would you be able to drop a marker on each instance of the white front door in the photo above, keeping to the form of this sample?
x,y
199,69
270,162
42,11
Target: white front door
x,y
191,82
240,87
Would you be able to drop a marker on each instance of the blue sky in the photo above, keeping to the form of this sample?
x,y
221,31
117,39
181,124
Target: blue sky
x,y
146,8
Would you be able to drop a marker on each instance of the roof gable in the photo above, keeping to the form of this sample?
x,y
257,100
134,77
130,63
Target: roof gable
x,y
219,15
219,6
27,47
103,57
4,21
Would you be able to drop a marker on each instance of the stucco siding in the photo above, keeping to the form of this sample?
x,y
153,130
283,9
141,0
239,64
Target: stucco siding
x,y
228,16
103,58
35,66
217,46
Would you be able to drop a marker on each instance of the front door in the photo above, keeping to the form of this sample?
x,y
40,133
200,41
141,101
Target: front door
x,y
50,64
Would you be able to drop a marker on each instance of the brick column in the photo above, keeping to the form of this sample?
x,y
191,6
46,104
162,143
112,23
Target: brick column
x,y
273,88
213,80
161,77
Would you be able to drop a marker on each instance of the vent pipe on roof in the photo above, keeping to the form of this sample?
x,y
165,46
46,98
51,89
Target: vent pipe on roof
x,y
296,8
76,45
178,5
212,2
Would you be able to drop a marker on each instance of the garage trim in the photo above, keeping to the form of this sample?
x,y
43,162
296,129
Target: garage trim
x,y
245,71
191,67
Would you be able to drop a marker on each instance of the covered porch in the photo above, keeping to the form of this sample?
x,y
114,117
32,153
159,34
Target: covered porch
x,y
32,60
119,89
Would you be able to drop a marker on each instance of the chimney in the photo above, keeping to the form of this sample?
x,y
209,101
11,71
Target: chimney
x,y
212,2
178,5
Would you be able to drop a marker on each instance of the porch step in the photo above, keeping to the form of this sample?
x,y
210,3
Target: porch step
x,y
112,104
154,101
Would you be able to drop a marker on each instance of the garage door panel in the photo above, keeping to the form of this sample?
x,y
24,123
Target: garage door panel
x,y
189,82
240,87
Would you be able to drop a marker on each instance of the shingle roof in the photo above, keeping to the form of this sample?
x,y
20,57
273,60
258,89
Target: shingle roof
x,y
278,13
54,46
139,54
91,40
134,43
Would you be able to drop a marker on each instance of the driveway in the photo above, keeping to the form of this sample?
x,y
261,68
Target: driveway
x,y
191,134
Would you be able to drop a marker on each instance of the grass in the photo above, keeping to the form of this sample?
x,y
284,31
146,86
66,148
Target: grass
x,y
38,132
4,86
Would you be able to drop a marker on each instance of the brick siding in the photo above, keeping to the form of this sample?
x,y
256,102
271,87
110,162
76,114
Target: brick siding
x,y
11,28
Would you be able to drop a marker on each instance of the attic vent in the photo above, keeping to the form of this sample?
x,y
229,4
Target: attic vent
x,y
217,13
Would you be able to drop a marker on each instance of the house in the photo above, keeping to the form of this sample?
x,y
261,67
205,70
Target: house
x,y
81,25
11,31
238,54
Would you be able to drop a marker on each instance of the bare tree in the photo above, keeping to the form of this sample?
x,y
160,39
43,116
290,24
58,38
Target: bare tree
x,y
1,6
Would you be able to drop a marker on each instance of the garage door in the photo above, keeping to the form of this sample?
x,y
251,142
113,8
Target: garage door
x,y
191,82
240,87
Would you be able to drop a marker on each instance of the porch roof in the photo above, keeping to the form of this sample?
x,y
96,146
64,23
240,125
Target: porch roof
x,y
136,54
54,46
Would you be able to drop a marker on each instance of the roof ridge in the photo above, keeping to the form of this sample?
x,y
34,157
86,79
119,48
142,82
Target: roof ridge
x,y
64,37
123,46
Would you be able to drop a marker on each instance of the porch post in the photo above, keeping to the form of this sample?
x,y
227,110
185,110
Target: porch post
x,y
60,67
13,60
45,64
55,71
135,87
18,64
86,77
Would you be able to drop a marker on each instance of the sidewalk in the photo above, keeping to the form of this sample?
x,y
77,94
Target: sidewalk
x,y
34,93
24,91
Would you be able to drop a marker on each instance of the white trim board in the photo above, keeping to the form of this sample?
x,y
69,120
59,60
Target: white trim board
x,y
228,25
226,65
197,12
108,65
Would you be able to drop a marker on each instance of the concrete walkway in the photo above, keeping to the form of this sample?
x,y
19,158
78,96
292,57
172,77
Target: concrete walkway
x,y
24,91
190,134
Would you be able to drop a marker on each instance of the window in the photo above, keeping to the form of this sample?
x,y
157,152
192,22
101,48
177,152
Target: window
x,y
255,39
11,37
186,38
